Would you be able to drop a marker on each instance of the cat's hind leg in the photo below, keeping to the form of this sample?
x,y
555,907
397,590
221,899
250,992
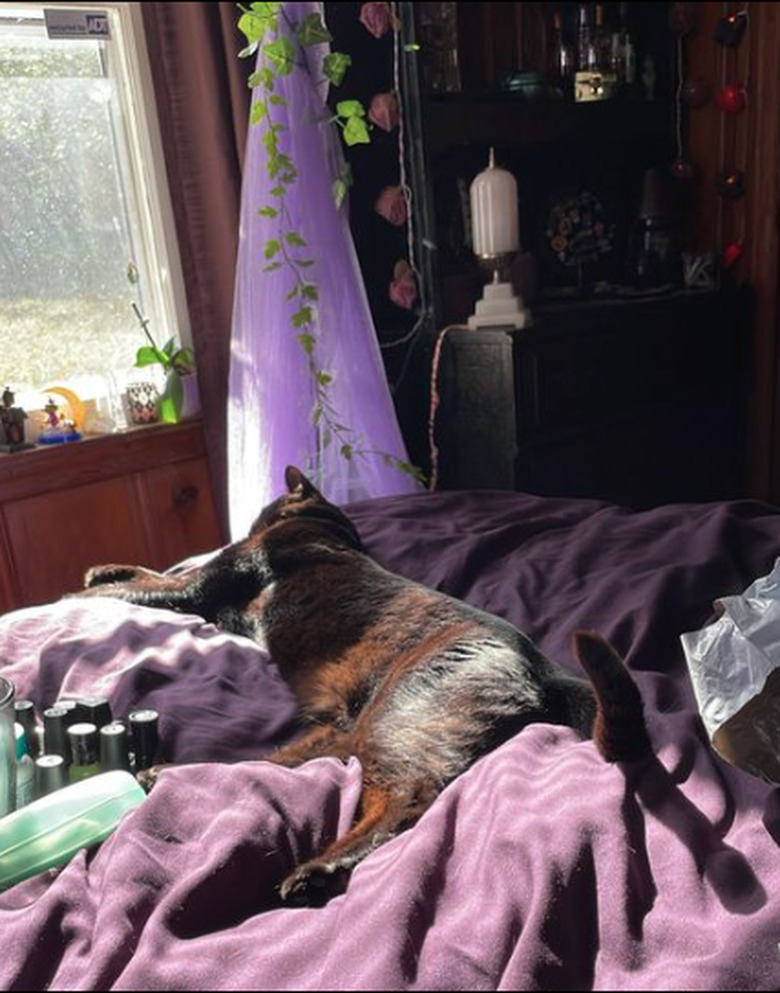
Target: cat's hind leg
x,y
385,812
323,740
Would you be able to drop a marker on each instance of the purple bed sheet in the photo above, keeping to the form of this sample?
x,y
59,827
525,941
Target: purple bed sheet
x,y
541,868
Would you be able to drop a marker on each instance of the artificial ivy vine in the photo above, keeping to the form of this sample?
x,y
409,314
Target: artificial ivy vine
x,y
280,46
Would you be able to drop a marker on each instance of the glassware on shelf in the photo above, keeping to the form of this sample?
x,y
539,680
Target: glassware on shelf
x,y
438,25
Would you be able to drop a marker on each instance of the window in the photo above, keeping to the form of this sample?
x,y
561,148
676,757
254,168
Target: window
x,y
82,195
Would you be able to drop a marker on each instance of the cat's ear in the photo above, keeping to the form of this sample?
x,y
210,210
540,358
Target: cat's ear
x,y
298,484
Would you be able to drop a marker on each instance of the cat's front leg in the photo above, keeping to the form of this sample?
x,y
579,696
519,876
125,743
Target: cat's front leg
x,y
143,587
99,575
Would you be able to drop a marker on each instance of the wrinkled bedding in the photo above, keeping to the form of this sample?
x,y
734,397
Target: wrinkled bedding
x,y
541,868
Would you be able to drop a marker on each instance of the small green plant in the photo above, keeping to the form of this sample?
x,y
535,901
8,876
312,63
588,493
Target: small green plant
x,y
177,361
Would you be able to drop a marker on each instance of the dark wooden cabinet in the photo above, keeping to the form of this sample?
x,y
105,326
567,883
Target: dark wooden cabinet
x,y
141,497
639,401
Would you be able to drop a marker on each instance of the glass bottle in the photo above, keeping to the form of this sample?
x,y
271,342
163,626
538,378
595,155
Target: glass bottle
x,y
562,57
585,48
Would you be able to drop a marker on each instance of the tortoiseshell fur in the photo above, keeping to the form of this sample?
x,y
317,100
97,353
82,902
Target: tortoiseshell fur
x,y
414,683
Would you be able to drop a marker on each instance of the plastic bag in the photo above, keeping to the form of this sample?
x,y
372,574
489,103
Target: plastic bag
x,y
734,665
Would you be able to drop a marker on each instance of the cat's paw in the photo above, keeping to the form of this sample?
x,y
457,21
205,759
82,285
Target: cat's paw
x,y
313,884
100,575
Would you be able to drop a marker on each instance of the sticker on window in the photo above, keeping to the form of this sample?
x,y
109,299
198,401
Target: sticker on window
x,y
77,24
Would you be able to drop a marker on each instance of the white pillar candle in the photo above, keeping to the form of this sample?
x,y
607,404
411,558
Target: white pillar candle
x,y
494,215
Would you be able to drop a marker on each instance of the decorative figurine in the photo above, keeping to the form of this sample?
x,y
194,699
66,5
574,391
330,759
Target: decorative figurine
x,y
12,419
58,430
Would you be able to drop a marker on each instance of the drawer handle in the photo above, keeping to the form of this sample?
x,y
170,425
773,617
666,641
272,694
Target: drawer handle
x,y
185,495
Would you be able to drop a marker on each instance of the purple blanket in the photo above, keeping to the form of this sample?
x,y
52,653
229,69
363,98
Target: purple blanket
x,y
541,868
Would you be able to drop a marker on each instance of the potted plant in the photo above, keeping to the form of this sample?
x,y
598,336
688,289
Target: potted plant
x,y
180,397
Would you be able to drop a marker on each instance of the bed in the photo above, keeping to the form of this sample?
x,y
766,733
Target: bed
x,y
542,867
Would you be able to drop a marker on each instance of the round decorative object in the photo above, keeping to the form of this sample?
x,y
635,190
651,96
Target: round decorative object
x,y
683,18
732,253
731,98
696,93
730,29
579,230
682,169
731,184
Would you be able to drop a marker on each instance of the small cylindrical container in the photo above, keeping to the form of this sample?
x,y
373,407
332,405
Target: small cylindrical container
x,y
96,710
55,732
51,830
25,769
24,712
51,773
84,751
7,748
114,747
77,713
143,726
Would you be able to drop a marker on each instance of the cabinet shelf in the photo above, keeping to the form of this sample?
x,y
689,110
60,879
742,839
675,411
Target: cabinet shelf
x,y
512,121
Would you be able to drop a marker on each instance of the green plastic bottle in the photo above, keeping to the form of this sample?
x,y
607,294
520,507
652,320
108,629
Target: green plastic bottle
x,y
48,832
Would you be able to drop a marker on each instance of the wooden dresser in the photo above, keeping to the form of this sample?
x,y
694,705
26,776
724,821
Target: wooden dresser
x,y
641,402
141,497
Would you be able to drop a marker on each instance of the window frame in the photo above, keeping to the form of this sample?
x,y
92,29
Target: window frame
x,y
131,66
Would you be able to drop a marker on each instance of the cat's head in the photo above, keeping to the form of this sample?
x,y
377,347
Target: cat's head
x,y
303,502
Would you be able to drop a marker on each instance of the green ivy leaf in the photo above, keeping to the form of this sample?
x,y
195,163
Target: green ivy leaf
x,y
304,263
335,66
356,132
302,317
277,100
252,27
293,238
346,451
316,415
307,342
258,112
266,77
350,108
268,212
169,346
293,293
277,191
269,11
311,31
339,192
271,143
272,247
324,378
310,292
254,80
272,267
281,55
249,51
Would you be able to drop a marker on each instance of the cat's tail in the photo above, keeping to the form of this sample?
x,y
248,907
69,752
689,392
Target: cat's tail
x,y
619,728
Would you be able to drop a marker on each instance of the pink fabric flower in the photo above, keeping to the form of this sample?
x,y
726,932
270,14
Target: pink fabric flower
x,y
391,205
384,112
403,290
377,18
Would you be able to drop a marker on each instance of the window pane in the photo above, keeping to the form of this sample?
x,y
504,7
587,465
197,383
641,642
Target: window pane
x,y
69,222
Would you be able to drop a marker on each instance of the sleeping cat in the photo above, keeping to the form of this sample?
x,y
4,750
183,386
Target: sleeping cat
x,y
414,683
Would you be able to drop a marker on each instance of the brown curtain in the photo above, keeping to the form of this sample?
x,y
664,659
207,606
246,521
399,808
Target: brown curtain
x,y
203,103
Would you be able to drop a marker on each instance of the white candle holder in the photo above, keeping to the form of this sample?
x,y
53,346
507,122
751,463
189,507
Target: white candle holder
x,y
496,239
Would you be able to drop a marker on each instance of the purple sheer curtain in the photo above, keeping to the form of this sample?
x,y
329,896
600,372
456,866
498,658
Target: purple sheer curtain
x,y
271,391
